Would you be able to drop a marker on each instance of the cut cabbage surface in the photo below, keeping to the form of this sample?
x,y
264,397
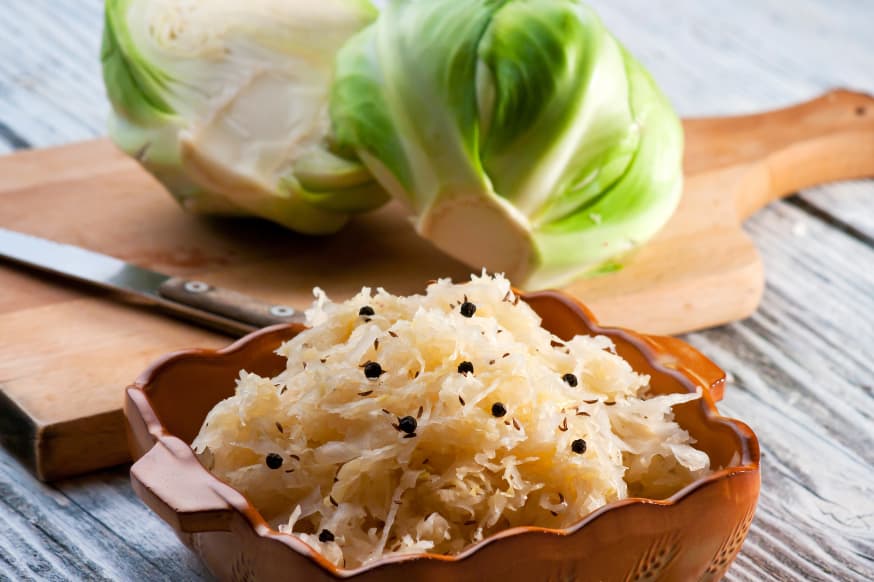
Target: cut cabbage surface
x,y
226,103
378,439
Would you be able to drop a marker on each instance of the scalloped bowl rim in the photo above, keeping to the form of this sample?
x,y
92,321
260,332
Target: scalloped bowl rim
x,y
749,463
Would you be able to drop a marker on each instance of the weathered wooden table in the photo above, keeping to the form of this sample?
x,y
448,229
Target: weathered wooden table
x,y
802,368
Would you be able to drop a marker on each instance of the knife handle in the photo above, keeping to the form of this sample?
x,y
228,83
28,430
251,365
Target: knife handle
x,y
227,303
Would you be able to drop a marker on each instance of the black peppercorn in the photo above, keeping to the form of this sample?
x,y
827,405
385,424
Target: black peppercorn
x,y
465,368
326,536
407,424
578,446
570,380
498,409
373,370
468,309
366,311
273,461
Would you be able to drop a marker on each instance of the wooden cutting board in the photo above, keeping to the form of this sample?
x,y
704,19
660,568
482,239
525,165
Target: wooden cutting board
x,y
68,351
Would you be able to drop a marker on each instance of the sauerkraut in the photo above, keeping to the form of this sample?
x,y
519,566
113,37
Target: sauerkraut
x,y
426,423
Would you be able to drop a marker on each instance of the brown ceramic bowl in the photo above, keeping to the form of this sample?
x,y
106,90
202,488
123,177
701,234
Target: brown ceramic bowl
x,y
693,535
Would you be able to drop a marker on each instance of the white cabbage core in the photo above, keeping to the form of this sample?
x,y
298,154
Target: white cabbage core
x,y
251,80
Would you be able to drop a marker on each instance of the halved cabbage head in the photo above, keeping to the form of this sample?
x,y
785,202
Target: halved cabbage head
x,y
226,103
523,136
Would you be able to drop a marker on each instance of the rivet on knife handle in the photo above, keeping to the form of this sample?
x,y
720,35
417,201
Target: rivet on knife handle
x,y
230,304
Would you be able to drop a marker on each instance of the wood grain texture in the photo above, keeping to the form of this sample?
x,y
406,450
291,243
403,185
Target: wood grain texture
x,y
91,529
802,365
801,380
51,90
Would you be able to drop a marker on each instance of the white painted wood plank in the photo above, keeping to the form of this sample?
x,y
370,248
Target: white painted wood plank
x,y
850,205
51,90
802,369
714,57
109,499
53,533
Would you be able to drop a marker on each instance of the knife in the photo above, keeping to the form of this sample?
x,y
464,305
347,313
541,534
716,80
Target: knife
x,y
223,310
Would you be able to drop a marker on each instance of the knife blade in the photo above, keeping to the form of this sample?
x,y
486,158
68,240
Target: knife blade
x,y
223,310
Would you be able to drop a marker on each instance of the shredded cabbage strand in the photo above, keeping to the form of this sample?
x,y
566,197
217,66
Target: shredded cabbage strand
x,y
465,474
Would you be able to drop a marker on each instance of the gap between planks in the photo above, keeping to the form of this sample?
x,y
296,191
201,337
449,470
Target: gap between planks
x,y
50,533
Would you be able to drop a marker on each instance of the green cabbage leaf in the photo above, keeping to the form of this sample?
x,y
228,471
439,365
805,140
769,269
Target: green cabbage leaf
x,y
520,133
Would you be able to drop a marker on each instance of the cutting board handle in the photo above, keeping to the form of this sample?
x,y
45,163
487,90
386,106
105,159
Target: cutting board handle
x,y
827,139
